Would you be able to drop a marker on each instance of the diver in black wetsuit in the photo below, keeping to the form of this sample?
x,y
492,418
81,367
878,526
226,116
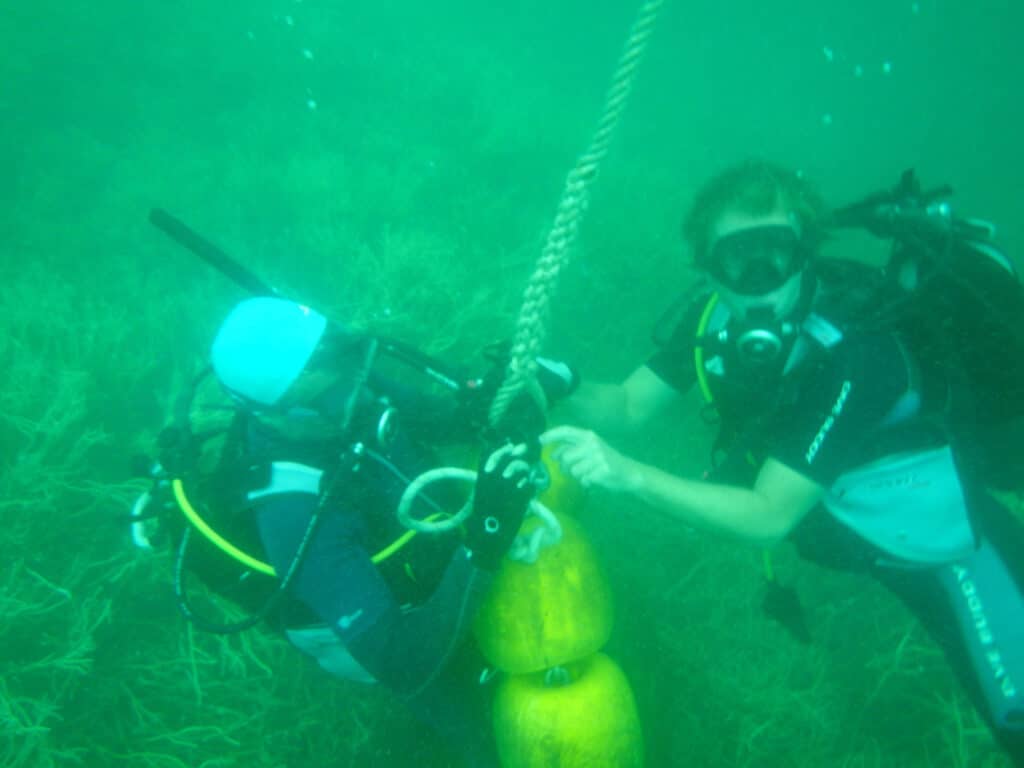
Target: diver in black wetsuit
x,y
832,432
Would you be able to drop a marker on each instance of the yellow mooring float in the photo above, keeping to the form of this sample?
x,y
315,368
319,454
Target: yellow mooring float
x,y
548,613
579,716
560,702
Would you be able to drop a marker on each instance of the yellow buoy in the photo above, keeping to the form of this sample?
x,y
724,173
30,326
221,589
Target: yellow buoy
x,y
548,613
588,722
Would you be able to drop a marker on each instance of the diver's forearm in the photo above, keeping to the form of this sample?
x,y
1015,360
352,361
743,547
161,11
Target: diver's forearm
x,y
722,509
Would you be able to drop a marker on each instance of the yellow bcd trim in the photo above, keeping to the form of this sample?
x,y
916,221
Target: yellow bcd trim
x,y
212,536
229,549
698,351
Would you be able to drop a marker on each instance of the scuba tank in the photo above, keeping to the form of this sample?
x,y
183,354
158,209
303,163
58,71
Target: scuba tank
x,y
950,289
958,301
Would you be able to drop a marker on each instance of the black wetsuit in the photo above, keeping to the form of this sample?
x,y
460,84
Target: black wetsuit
x,y
844,406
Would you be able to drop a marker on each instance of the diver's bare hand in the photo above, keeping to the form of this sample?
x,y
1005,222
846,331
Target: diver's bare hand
x,y
588,459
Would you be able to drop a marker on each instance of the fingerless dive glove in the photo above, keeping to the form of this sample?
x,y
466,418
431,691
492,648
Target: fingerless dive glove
x,y
503,491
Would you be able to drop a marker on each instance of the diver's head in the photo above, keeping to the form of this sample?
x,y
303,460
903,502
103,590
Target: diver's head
x,y
754,230
287,362
263,346
750,194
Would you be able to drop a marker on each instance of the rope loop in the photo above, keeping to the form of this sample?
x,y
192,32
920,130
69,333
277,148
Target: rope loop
x,y
525,548
415,488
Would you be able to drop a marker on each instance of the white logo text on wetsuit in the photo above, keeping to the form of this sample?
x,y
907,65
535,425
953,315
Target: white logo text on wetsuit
x,y
985,637
837,408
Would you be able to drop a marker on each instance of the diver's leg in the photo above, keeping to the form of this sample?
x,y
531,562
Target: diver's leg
x,y
975,612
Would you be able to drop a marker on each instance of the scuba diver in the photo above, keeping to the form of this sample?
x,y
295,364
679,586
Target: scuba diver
x,y
281,494
841,427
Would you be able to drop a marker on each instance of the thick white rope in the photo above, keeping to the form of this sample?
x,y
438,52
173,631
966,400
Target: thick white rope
x,y
531,327
416,487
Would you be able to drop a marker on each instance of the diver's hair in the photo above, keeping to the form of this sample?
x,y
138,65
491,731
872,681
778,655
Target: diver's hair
x,y
754,187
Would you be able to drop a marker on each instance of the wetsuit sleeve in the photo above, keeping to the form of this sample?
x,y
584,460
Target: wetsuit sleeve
x,y
339,582
675,336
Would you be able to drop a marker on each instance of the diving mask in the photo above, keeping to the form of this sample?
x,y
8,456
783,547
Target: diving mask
x,y
757,260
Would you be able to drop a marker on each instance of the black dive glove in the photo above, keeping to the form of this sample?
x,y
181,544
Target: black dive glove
x,y
503,491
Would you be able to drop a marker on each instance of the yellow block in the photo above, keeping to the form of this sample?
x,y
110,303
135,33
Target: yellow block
x,y
591,722
547,613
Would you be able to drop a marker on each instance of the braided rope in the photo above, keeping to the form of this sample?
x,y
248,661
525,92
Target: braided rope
x,y
531,326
